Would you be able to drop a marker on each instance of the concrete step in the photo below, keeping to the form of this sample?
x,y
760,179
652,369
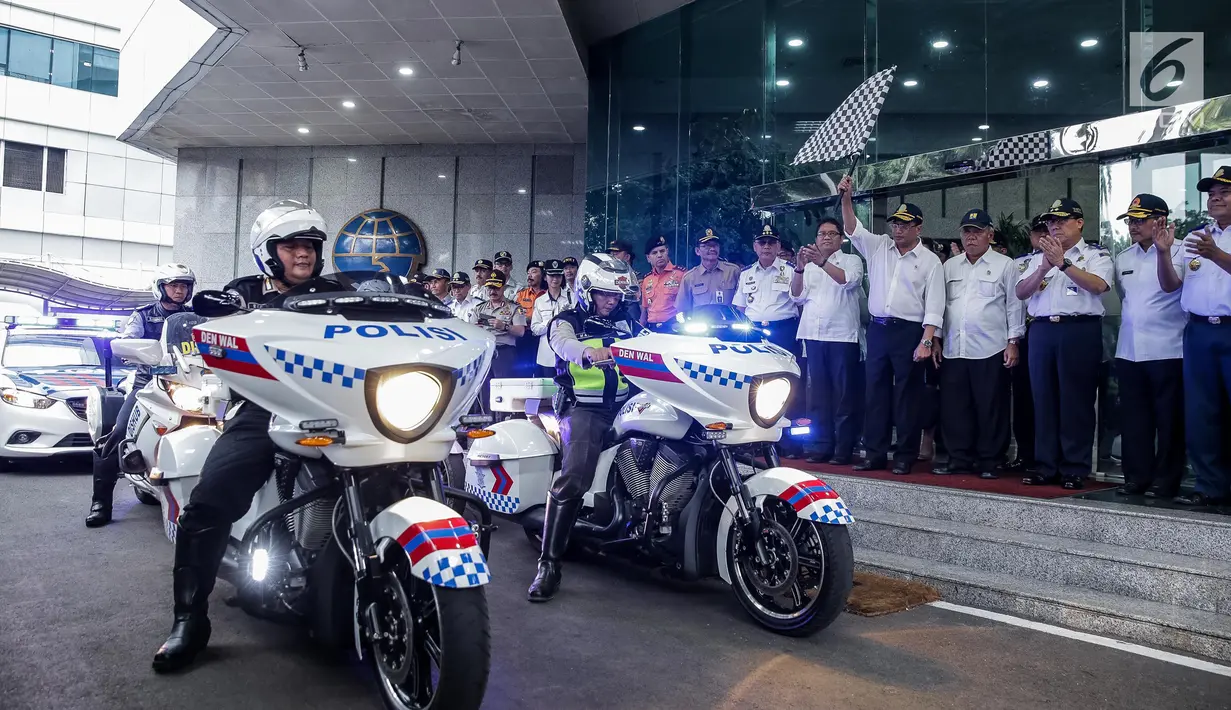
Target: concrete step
x,y
1151,623
1178,532
1164,577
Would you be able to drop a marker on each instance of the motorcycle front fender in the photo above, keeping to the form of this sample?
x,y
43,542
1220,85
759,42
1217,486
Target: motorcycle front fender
x,y
439,544
181,453
811,498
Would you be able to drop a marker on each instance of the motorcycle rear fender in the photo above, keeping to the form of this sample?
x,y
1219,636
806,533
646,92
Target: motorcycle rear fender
x,y
811,498
181,453
439,544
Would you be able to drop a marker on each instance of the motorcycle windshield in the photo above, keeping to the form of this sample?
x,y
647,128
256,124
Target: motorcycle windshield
x,y
177,333
366,295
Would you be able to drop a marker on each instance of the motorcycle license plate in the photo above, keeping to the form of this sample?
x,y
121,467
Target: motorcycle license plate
x,y
163,370
715,435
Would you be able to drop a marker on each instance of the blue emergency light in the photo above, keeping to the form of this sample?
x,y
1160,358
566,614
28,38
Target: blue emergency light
x,y
63,322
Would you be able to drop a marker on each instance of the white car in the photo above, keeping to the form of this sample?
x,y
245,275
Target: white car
x,y
47,366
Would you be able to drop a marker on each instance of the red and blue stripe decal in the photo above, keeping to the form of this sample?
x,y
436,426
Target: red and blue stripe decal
x,y
228,353
422,539
805,493
634,363
504,482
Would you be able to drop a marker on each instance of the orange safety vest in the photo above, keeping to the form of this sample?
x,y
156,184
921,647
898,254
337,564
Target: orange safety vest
x,y
526,298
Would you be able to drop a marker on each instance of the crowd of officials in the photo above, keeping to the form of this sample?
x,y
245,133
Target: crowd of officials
x,y
904,345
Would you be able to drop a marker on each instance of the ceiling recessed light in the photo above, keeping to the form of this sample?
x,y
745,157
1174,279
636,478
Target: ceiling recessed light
x,y
638,127
350,160
1089,42
976,139
86,64
1041,83
348,104
940,44
767,136
521,190
1175,82
302,129
910,82
983,126
873,138
405,71
442,176
797,42
783,82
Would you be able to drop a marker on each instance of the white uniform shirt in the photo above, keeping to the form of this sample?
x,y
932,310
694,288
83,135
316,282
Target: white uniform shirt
x,y
1062,297
909,286
983,310
830,309
465,309
1207,288
766,293
546,308
1152,321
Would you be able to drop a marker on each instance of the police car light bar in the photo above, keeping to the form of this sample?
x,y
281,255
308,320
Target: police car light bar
x,y
64,322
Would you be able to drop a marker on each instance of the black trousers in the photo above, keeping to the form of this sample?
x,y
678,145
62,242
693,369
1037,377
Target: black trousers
x,y
1064,369
241,461
1207,405
894,391
1023,404
974,415
583,431
1152,422
106,456
832,396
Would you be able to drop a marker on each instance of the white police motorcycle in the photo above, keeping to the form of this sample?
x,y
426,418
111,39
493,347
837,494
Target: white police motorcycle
x,y
679,485
365,385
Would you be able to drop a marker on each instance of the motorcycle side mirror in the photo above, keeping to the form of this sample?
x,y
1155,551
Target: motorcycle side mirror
x,y
216,304
139,350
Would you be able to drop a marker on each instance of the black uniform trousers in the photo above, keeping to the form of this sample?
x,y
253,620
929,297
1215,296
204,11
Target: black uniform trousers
x,y
583,431
1064,368
1152,423
241,461
974,413
1207,404
894,390
832,396
106,456
1023,405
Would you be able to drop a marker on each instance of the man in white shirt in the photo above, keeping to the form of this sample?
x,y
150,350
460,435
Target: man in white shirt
x,y
464,302
1150,352
764,293
1064,285
546,307
1207,346
983,323
828,284
906,299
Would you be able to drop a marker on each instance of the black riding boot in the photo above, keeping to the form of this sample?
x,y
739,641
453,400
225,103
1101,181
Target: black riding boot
x,y
557,524
197,557
106,472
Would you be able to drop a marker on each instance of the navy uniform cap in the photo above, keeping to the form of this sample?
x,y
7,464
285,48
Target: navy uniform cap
x,y
554,267
570,261
976,218
620,246
707,236
483,264
440,274
503,256
1039,222
536,263
1221,176
1146,205
460,278
907,212
767,232
495,280
1064,207
654,244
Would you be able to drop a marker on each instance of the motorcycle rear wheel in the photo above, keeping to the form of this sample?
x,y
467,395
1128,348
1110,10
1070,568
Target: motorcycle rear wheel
x,y
826,552
437,649
146,497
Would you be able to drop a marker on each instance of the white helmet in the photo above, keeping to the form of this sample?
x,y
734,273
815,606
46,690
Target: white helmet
x,y
603,272
288,219
170,273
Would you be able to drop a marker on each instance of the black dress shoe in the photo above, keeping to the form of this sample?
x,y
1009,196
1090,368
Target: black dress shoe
x,y
1131,489
1197,499
901,468
870,465
839,461
1014,465
1072,484
951,470
818,458
1038,480
1162,495
99,516
988,476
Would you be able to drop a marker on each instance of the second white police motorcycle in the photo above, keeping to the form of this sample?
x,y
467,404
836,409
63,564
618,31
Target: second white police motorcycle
x,y
678,484
365,385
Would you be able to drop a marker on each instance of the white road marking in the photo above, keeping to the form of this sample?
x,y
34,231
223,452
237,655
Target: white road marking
x,y
1125,646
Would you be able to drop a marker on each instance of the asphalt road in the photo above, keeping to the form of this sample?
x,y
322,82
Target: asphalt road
x,y
82,611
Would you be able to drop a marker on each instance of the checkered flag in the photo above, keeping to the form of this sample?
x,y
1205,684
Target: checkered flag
x,y
846,131
1017,150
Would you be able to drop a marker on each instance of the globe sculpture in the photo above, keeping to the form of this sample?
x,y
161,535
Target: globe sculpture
x,y
379,240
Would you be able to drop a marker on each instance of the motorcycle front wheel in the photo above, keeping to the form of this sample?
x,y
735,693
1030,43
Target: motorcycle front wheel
x,y
432,649
146,497
805,581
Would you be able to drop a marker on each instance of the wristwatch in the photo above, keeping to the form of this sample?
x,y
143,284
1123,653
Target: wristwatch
x,y
1066,264
926,343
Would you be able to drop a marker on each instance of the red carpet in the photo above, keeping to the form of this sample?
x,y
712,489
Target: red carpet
x,y
1007,484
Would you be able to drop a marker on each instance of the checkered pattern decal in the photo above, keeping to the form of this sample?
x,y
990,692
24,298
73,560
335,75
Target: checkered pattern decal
x,y
846,131
832,512
498,503
468,373
815,500
314,368
467,569
1017,150
445,553
725,378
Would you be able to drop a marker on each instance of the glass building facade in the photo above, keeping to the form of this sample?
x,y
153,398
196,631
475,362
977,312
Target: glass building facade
x,y
50,60
692,111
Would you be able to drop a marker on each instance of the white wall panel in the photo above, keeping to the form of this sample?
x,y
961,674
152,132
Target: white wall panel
x,y
30,19
74,165
143,207
107,202
101,250
71,201
64,224
25,132
21,209
141,233
142,175
106,170
103,228
68,139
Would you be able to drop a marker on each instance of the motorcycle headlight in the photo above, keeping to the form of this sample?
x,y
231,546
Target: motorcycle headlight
x,y
768,398
406,402
189,399
22,398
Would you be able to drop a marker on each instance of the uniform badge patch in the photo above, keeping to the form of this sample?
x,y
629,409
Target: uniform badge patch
x,y
1194,264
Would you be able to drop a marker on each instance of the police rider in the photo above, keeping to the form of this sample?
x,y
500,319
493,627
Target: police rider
x,y
172,286
592,390
287,242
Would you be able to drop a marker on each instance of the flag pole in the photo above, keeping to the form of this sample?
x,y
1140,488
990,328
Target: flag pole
x,y
850,171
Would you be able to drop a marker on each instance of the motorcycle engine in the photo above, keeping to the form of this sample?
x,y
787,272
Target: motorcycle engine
x,y
311,526
643,465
